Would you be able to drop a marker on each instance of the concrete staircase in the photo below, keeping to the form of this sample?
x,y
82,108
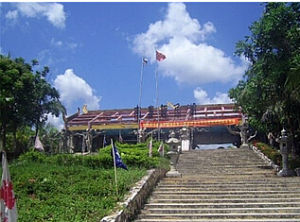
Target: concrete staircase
x,y
223,185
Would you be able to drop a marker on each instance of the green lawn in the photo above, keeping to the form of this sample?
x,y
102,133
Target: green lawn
x,y
49,192
67,187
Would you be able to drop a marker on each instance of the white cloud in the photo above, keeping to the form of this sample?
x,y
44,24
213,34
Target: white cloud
x,y
55,121
202,98
13,15
189,59
56,43
61,44
54,12
74,89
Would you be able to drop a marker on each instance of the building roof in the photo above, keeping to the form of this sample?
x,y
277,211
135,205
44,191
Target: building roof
x,y
186,115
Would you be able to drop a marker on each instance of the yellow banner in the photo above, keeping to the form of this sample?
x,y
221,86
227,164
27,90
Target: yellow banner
x,y
108,126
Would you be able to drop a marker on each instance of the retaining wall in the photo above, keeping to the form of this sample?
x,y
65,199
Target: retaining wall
x,y
136,198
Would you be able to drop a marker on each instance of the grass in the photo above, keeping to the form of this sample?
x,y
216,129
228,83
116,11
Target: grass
x,y
76,188
60,193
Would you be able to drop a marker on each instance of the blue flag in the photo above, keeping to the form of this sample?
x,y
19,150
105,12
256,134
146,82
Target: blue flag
x,y
119,162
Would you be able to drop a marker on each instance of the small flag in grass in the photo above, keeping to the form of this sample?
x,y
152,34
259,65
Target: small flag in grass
x,y
118,161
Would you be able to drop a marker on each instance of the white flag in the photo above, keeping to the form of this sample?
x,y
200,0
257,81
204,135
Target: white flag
x,y
150,148
8,205
161,149
38,144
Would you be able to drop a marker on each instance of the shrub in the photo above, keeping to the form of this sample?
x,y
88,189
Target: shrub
x,y
132,155
271,153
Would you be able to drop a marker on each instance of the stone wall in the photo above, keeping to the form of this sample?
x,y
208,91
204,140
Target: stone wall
x,y
136,198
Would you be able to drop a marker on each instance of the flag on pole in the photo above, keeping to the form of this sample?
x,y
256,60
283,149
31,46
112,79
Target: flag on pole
x,y
38,144
8,205
161,149
118,161
160,56
145,60
150,147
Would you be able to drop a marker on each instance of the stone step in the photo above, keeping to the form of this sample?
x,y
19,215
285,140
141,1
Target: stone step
x,y
212,174
222,193
219,220
228,181
227,201
234,178
220,171
213,211
226,189
224,196
223,216
191,181
263,205
221,185
244,167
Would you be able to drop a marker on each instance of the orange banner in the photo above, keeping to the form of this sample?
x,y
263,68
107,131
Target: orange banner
x,y
190,123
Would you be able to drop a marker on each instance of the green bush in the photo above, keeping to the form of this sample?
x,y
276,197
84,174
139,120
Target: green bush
x,y
271,153
137,155
33,156
132,155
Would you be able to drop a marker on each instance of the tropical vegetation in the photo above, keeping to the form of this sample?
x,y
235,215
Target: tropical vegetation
x,y
25,100
269,92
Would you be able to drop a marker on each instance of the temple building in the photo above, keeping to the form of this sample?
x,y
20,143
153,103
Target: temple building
x,y
88,130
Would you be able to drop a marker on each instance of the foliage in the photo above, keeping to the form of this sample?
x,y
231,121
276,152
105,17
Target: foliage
x,y
53,192
24,140
50,137
130,154
270,152
68,187
138,154
275,155
269,92
25,97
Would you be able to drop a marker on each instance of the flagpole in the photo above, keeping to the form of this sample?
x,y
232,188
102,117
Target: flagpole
x,y
103,141
115,167
140,101
156,88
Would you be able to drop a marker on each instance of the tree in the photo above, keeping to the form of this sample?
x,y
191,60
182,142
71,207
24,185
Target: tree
x,y
25,97
269,93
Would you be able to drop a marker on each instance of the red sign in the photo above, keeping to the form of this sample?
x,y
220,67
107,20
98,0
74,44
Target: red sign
x,y
190,123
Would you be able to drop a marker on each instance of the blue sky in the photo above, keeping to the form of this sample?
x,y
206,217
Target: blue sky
x,y
94,50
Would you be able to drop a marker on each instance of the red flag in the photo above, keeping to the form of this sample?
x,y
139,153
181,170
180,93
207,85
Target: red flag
x,y
8,206
160,56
